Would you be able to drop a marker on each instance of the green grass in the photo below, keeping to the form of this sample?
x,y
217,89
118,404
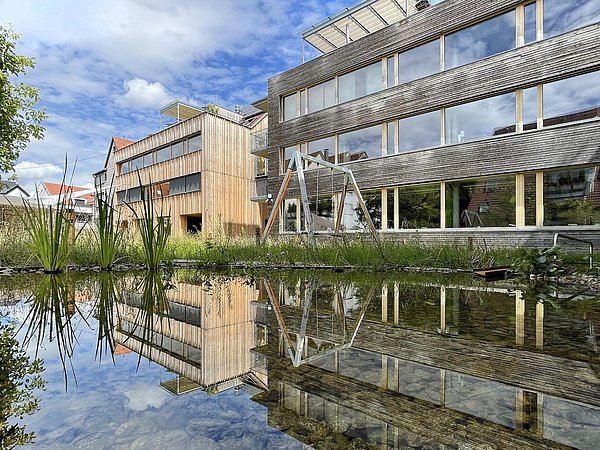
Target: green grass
x,y
356,252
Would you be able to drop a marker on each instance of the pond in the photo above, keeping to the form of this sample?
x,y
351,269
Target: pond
x,y
196,359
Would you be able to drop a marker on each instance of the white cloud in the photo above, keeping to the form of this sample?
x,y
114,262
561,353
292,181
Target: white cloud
x,y
143,94
139,398
35,171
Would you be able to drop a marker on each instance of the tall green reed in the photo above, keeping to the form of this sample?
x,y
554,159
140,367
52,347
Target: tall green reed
x,y
154,230
50,230
108,232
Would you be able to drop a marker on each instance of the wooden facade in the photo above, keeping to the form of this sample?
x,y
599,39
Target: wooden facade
x,y
226,168
564,146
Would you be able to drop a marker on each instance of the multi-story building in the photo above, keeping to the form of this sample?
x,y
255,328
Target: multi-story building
x,y
197,170
460,118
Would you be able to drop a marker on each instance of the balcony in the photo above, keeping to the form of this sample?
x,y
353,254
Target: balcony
x,y
260,143
259,193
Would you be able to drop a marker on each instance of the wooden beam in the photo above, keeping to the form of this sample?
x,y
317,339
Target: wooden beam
x,y
277,206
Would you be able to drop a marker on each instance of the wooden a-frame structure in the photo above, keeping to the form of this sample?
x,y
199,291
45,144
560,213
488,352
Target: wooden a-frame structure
x,y
296,164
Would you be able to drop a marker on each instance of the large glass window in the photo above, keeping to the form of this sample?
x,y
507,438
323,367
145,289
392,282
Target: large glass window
x,y
390,71
419,62
286,156
261,166
481,40
176,149
373,202
419,206
391,136
148,159
289,107
290,213
530,108
321,96
361,82
561,16
163,154
530,23
121,196
193,183
486,202
124,167
177,186
137,163
360,144
572,99
488,117
572,197
322,149
195,143
420,131
135,194
322,213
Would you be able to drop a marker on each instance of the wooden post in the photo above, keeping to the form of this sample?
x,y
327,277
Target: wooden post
x,y
308,222
520,200
361,202
539,326
277,206
342,200
519,318
539,199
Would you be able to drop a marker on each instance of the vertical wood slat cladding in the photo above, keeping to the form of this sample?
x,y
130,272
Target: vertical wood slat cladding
x,y
561,146
225,335
566,55
410,32
226,166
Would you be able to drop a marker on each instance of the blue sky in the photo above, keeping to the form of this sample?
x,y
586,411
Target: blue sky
x,y
106,67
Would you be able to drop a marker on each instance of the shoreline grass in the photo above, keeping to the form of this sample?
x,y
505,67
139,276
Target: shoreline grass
x,y
358,253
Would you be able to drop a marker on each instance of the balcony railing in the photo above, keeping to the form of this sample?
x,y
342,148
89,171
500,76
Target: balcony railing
x,y
260,143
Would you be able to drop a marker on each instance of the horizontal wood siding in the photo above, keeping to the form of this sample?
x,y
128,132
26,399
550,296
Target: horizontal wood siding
x,y
563,56
408,33
561,146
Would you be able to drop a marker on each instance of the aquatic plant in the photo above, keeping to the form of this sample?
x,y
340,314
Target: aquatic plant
x,y
51,229
154,230
52,309
108,233
104,312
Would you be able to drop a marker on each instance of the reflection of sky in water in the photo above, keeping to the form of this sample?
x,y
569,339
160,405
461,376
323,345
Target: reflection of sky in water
x,y
117,406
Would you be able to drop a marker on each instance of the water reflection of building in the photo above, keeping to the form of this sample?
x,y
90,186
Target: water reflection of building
x,y
435,365
203,336
428,107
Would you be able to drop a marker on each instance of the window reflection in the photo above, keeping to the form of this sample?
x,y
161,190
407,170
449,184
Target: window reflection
x,y
572,197
572,99
481,203
481,40
361,82
323,149
290,211
530,23
419,206
530,108
419,62
420,131
488,117
286,155
561,16
322,213
360,144
372,201
289,107
321,96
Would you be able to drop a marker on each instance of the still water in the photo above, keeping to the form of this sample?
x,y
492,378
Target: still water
x,y
192,359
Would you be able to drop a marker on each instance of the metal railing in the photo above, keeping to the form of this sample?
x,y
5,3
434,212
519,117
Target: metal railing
x,y
571,238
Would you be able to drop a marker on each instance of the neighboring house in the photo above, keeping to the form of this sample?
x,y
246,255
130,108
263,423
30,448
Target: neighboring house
x,y
104,179
78,199
259,147
12,189
198,170
455,125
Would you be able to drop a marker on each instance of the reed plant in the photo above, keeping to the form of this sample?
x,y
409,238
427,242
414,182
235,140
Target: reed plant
x,y
50,232
108,233
154,230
